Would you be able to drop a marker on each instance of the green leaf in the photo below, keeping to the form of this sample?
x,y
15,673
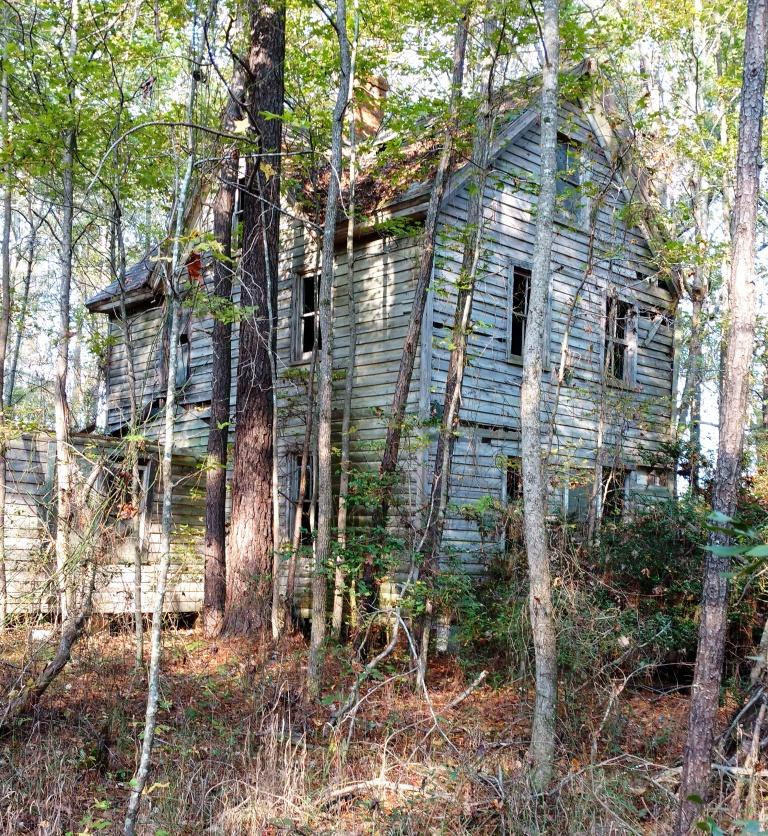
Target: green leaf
x,y
726,551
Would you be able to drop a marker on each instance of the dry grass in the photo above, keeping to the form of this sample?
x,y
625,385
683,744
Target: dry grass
x,y
239,751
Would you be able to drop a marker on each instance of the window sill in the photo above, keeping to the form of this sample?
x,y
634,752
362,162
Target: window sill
x,y
613,383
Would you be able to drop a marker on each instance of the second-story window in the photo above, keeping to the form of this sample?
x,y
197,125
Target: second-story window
x,y
184,355
519,296
568,174
620,338
305,316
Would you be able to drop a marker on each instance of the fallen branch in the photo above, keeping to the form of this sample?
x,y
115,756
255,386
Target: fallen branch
x,y
467,691
331,795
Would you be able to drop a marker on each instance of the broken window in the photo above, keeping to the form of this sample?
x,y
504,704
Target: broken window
x,y
568,173
513,530
579,495
613,492
305,316
308,505
519,297
184,355
620,327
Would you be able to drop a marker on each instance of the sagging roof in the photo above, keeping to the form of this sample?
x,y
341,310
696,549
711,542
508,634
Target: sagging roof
x,y
139,285
395,175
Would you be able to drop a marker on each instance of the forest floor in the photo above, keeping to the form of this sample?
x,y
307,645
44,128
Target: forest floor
x,y
238,750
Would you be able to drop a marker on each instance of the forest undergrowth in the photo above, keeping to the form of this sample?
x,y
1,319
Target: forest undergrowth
x,y
241,752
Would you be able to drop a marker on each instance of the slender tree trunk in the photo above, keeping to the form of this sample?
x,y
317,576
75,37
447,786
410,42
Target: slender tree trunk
x,y
542,748
290,581
325,378
215,586
248,602
10,381
64,465
413,335
705,691
5,317
690,401
172,278
341,525
462,328
132,452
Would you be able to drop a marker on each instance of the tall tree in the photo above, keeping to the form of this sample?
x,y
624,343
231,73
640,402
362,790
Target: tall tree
x,y
325,377
460,335
423,277
64,464
214,586
542,748
172,279
705,691
5,317
344,464
250,559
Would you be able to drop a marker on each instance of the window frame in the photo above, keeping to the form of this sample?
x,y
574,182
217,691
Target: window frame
x,y
294,476
568,179
298,355
628,341
625,488
517,359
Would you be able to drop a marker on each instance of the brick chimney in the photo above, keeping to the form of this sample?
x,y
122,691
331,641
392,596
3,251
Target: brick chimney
x,y
370,111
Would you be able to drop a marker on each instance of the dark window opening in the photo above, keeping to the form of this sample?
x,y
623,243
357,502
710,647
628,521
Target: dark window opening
x,y
308,505
306,316
518,314
513,533
568,172
183,360
618,323
579,496
612,492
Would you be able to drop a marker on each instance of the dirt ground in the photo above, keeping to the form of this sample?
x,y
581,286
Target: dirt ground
x,y
239,750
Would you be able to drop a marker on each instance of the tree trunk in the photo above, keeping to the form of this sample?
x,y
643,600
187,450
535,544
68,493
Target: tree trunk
x,y
20,325
462,328
413,335
344,465
290,580
64,465
325,377
172,278
542,748
5,316
215,585
250,558
739,344
132,452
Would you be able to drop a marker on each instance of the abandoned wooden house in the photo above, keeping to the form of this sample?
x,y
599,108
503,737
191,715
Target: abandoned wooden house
x,y
609,386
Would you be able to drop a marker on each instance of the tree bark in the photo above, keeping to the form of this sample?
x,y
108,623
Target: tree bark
x,y
214,584
172,280
542,747
340,580
132,452
5,317
462,328
325,377
64,465
250,559
10,381
413,334
705,691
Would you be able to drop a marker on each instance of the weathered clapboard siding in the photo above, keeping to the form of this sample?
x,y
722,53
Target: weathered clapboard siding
x,y
30,529
635,419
